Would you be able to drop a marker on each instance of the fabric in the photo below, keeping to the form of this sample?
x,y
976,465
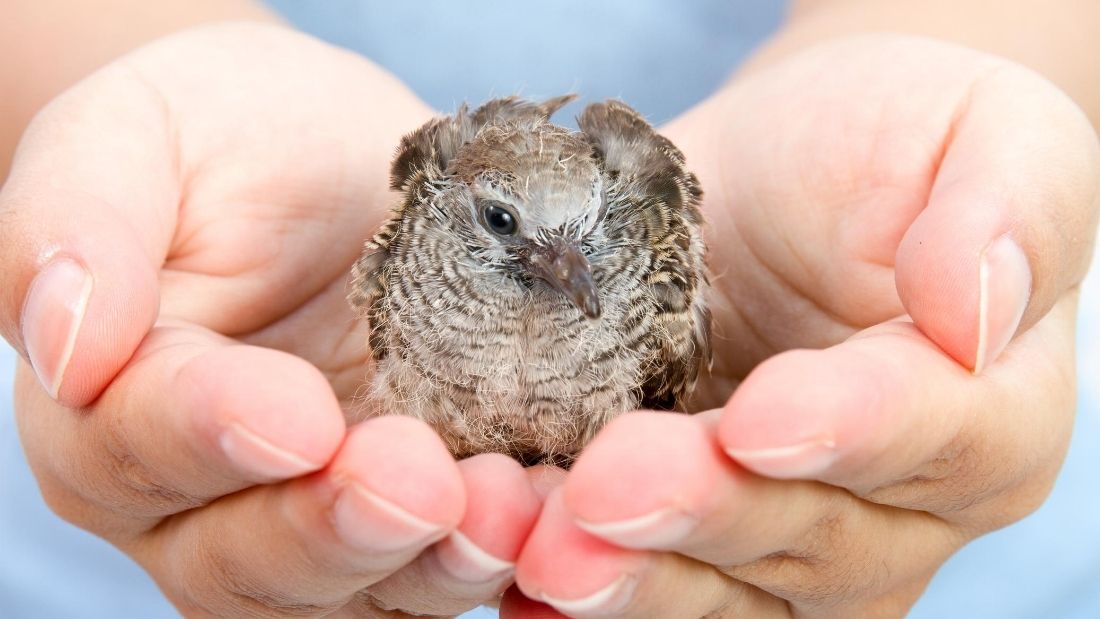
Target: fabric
x,y
661,57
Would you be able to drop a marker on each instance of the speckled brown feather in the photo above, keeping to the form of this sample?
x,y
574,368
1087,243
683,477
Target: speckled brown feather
x,y
634,153
495,360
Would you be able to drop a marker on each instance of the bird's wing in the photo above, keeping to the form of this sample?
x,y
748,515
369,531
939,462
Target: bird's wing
x,y
368,286
420,160
667,216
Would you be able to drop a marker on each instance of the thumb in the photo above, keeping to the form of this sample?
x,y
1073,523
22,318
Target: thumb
x,y
1010,222
85,220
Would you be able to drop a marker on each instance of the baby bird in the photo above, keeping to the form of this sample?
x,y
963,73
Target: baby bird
x,y
535,282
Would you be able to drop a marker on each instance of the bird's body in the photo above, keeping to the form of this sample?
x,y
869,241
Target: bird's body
x,y
535,282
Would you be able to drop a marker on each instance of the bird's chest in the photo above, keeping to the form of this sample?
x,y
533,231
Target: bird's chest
x,y
483,345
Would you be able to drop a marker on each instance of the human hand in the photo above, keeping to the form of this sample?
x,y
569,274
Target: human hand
x,y
175,241
914,218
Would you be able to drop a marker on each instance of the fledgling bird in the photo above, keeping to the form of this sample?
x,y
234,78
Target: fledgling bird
x,y
535,282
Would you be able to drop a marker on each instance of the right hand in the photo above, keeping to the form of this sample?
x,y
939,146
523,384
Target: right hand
x,y
176,235
897,251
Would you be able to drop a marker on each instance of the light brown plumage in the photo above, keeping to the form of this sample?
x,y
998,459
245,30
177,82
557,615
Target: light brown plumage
x,y
534,282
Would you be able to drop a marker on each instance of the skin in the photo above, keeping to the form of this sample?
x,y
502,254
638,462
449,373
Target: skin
x,y
837,226
68,40
819,219
210,428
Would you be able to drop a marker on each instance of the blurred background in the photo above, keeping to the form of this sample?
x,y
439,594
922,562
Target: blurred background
x,y
661,57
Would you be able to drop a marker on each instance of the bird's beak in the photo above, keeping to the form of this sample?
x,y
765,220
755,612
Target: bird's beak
x,y
565,268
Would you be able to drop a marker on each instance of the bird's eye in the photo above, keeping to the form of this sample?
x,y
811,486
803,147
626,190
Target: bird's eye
x,y
499,219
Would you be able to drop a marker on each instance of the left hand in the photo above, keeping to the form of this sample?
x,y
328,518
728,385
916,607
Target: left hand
x,y
175,241
917,214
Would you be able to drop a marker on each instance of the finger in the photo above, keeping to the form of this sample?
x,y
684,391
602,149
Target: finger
x,y
88,212
658,481
514,605
1010,221
308,546
582,576
476,562
653,481
545,477
191,418
888,416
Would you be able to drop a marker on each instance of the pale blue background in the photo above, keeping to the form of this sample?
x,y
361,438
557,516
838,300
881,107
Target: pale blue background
x,y
661,57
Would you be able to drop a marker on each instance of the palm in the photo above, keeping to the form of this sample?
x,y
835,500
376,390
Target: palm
x,y
281,179
811,192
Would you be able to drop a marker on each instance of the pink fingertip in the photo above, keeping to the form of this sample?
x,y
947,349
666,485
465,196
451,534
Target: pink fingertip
x,y
371,523
260,456
463,559
660,529
799,461
405,461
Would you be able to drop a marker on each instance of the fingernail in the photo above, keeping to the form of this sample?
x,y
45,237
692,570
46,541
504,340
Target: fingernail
x,y
258,455
52,314
369,522
802,460
463,559
1004,284
657,530
607,601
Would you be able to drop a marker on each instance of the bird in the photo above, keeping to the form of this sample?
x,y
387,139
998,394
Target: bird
x,y
534,282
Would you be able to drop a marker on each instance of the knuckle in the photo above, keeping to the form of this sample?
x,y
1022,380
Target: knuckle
x,y
1015,503
854,554
959,477
810,580
827,569
62,501
1000,469
133,487
364,605
845,565
223,586
75,508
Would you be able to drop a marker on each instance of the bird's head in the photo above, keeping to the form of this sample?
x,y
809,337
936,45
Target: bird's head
x,y
531,193
527,197
522,194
